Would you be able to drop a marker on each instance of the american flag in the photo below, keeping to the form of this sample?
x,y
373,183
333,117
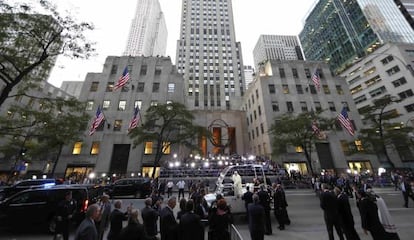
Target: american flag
x,y
122,80
315,128
135,119
316,79
96,121
345,122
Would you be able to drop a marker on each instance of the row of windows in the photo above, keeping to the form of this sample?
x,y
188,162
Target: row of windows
x,y
300,89
140,87
95,148
122,104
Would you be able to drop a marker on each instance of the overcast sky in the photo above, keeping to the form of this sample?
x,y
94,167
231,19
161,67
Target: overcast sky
x,y
112,20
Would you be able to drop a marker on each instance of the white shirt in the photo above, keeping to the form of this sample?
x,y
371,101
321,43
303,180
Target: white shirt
x,y
181,184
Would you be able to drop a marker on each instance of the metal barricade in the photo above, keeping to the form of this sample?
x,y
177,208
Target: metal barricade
x,y
234,233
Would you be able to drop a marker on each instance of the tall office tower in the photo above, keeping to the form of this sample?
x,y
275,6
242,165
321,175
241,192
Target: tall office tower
x,y
148,33
276,47
338,32
407,9
209,56
248,75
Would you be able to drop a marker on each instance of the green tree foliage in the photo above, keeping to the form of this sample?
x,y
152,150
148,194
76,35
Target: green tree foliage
x,y
42,131
381,130
290,130
31,37
166,125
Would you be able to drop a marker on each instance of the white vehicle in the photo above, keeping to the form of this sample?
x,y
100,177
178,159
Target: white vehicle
x,y
225,187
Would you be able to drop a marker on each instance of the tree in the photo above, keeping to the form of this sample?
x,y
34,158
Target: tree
x,y
166,125
41,132
382,131
290,130
31,37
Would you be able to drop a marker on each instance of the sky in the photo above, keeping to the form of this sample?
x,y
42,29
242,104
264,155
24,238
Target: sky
x,y
112,21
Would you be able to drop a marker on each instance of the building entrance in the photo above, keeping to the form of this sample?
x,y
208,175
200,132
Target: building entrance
x,y
294,168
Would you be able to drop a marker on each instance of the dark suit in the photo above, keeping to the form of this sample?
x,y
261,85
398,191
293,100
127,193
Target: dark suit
x,y
168,224
347,218
406,191
280,204
134,231
370,219
248,198
150,217
256,221
190,227
329,204
264,199
116,218
86,230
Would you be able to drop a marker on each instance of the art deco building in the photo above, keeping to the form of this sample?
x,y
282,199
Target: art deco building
x,y
276,47
209,57
339,31
407,9
285,87
148,32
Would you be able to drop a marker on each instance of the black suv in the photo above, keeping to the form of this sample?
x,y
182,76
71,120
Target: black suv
x,y
37,207
138,187
26,184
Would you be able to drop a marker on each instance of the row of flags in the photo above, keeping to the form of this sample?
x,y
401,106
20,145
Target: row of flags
x,y
100,117
343,119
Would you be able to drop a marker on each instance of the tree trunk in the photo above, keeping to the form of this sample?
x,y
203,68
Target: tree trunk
x,y
308,157
57,159
5,93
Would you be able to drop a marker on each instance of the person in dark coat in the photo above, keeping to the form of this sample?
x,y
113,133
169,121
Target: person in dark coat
x,y
248,198
168,224
182,205
369,217
134,230
190,226
105,211
116,219
406,191
264,199
345,213
329,204
280,204
87,229
219,221
64,214
150,218
256,219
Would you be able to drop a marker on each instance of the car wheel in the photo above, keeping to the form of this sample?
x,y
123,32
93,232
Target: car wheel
x,y
52,225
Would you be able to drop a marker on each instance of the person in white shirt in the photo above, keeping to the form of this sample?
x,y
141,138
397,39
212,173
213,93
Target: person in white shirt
x,y
180,185
170,186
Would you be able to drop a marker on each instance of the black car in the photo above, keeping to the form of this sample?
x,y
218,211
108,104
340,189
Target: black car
x,y
138,187
37,207
26,184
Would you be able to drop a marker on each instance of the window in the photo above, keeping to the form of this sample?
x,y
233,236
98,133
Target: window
x,y
77,147
399,82
114,69
155,87
171,87
272,89
106,104
409,108
360,99
95,148
304,106
148,148
387,60
166,148
89,105
358,145
393,70
312,89
140,87
289,106
373,80
307,73
405,94
143,70
299,89
275,106
298,149
332,106
346,106
110,86
285,88
122,105
295,73
318,106
345,147
117,125
378,91
94,87
138,103
158,70
282,72
326,89
339,90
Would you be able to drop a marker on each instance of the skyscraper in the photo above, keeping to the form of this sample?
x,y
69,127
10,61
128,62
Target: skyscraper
x,y
338,32
407,9
209,56
148,33
276,47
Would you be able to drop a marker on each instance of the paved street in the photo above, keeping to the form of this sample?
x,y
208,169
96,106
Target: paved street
x,y
305,214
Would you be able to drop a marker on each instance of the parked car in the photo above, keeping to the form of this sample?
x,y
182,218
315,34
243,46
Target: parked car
x,y
37,207
138,187
26,184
